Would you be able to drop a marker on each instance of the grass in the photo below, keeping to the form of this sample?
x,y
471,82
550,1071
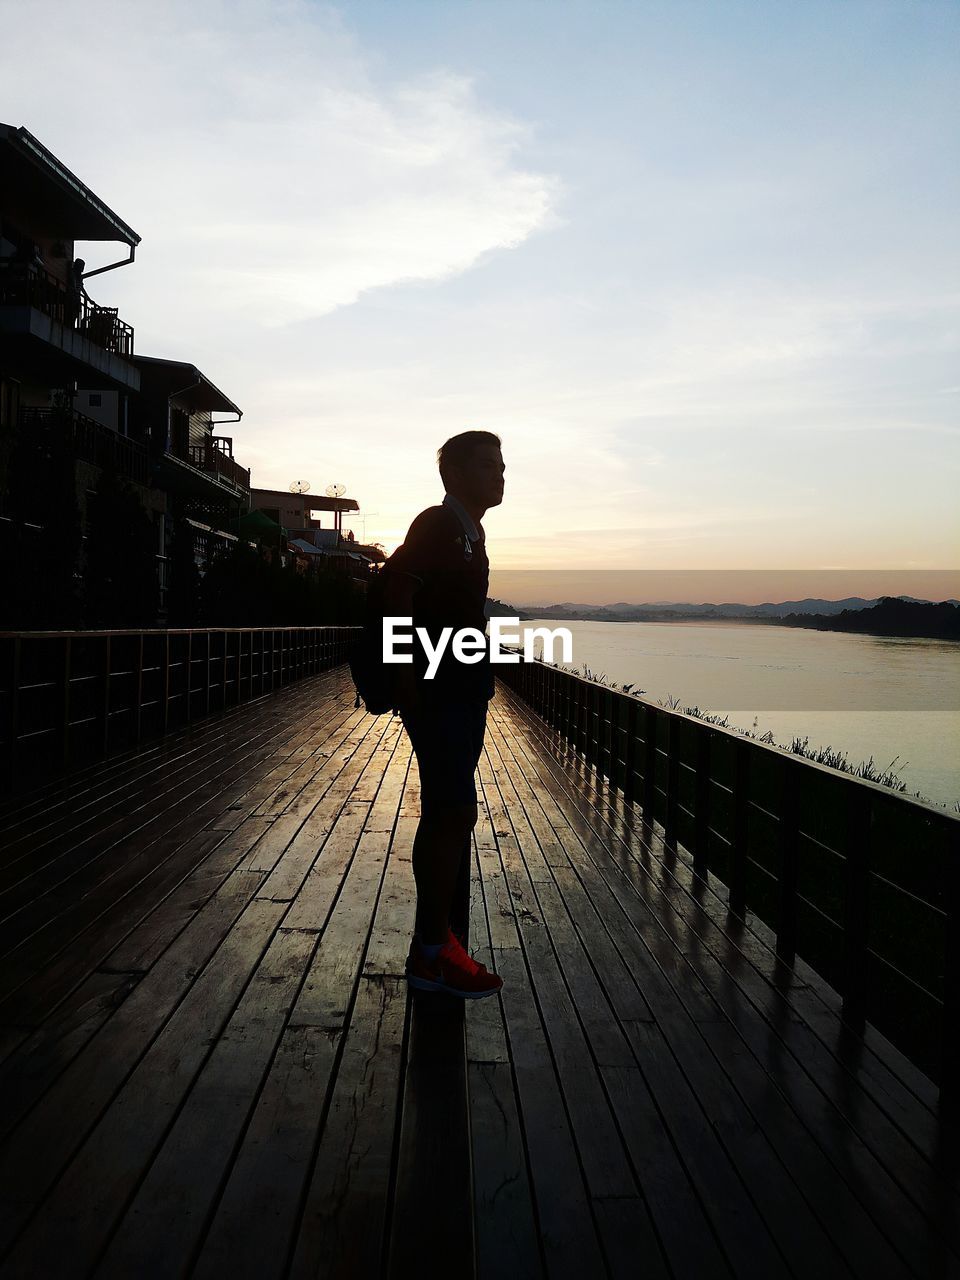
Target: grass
x,y
867,769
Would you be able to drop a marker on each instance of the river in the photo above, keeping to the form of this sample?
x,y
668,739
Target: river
x,y
897,700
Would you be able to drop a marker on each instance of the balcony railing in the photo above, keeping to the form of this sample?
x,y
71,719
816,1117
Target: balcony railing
x,y
212,458
89,441
33,287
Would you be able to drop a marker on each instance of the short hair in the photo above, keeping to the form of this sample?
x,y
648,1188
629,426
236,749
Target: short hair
x,y
458,450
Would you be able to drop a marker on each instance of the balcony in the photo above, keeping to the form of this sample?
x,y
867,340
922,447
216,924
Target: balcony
x,y
89,441
38,315
216,458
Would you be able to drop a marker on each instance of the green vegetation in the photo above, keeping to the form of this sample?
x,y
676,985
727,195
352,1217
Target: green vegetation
x,y
867,769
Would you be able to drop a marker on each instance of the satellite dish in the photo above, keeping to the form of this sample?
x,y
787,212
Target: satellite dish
x,y
300,486
336,490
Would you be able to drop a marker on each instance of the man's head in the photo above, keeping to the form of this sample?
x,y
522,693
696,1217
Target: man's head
x,y
471,468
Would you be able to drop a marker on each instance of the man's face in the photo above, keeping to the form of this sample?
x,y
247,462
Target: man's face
x,y
482,481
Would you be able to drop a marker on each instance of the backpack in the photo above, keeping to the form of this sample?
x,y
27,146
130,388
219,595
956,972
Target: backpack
x,y
371,676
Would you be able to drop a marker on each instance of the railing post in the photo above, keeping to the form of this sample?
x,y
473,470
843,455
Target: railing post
x,y
65,702
649,762
856,905
950,1057
138,692
166,681
16,661
105,714
702,817
607,702
189,676
789,835
630,751
593,724
741,807
673,780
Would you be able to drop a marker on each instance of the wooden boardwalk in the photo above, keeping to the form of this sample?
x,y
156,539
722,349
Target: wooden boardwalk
x,y
212,1065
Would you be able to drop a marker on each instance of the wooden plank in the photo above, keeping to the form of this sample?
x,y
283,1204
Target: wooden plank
x,y
346,1203
567,1229
708,1169
76,805
41,1056
135,773
872,1184
504,1222
301,852
155,878
219,804
39,1148
505,1225
76,1217
162,821
163,1224
879,1134
254,1227
433,1161
881,1067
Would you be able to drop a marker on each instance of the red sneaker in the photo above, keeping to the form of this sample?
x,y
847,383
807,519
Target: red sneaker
x,y
453,971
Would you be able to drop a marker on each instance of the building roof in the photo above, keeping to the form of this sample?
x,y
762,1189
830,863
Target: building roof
x,y
51,196
340,553
186,382
315,500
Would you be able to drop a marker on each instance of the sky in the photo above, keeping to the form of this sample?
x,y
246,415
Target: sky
x,y
694,262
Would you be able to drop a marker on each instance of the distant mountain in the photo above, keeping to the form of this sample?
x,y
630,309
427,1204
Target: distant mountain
x,y
672,611
891,616
676,611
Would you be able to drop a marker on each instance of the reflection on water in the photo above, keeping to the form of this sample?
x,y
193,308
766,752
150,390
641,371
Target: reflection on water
x,y
897,700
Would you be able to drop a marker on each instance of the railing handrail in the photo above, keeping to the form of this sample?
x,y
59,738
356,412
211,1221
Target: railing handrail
x,y
71,694
175,631
728,731
812,852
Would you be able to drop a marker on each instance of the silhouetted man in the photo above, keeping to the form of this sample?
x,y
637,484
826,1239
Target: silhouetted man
x,y
439,577
76,292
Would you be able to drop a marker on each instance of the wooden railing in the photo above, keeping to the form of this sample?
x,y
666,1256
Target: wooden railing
x,y
33,287
91,441
860,881
209,458
75,697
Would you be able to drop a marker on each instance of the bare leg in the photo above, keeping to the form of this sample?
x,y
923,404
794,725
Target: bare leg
x,y
437,859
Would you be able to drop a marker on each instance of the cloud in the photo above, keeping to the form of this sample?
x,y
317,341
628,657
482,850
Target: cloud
x,y
274,174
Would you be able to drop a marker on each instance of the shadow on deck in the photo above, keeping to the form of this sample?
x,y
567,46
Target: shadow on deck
x,y
212,1064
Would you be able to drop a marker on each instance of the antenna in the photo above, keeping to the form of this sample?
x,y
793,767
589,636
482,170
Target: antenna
x,y
336,490
300,486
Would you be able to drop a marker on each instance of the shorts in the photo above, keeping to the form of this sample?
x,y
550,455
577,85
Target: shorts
x,y
447,739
